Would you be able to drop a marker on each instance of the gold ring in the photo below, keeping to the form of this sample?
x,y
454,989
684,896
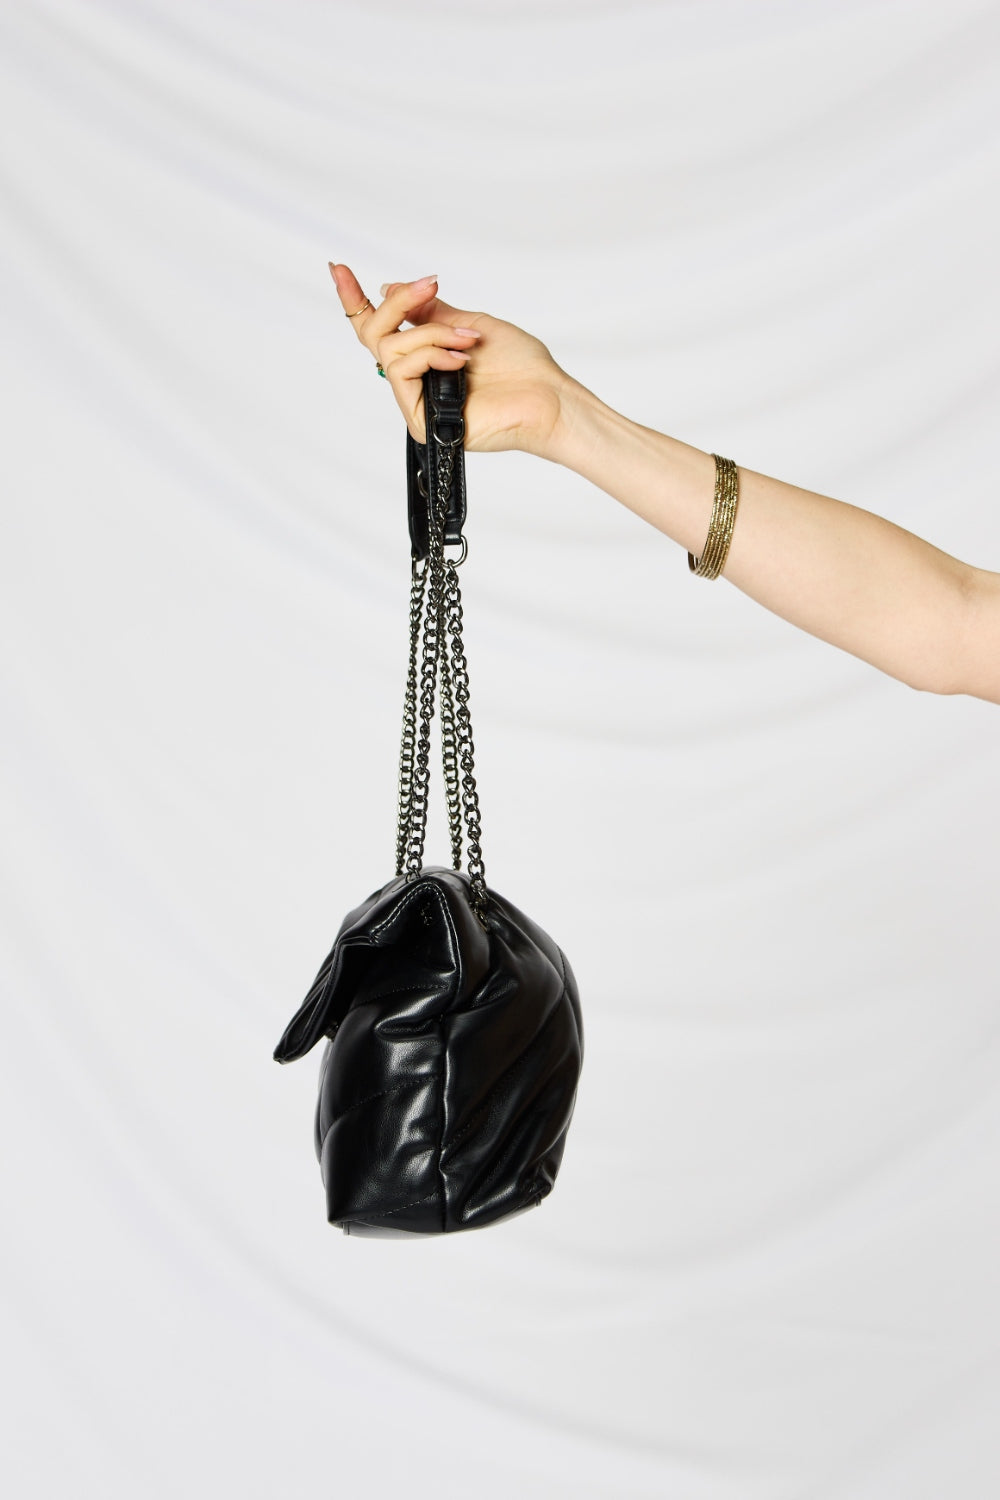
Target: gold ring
x,y
366,304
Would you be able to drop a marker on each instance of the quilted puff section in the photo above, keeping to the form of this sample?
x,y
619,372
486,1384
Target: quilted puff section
x,y
378,1045
380,1159
379,1114
507,1119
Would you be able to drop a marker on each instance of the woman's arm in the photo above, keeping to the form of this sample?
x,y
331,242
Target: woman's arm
x,y
841,573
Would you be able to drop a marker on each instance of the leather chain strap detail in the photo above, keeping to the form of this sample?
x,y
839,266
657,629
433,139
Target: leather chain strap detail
x,y
444,398
437,657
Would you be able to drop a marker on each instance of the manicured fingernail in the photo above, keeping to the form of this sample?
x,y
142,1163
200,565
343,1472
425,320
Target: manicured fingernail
x,y
470,333
333,269
459,353
425,281
383,289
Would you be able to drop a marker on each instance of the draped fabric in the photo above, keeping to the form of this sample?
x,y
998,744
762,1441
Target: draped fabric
x,y
769,1265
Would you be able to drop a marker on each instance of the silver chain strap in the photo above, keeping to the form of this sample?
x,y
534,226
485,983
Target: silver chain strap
x,y
463,731
418,585
436,604
424,694
449,745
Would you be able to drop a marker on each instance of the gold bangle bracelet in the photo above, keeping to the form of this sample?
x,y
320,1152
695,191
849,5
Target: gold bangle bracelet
x,y
720,528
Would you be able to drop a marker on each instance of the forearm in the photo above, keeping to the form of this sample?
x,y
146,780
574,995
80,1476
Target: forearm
x,y
841,573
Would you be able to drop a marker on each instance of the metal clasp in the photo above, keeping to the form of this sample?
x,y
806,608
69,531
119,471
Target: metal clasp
x,y
455,442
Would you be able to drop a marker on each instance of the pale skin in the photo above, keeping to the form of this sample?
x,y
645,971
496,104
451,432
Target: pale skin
x,y
841,573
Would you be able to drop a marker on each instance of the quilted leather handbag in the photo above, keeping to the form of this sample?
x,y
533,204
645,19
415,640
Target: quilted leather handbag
x,y
454,1037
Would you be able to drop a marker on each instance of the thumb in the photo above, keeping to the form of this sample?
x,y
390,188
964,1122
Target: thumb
x,y
434,311
437,311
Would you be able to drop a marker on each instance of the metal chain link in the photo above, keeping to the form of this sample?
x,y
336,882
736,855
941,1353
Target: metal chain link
x,y
463,731
449,746
418,585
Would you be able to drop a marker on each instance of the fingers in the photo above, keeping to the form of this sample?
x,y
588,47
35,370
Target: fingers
x,y
435,342
349,290
435,308
399,307
413,301
371,323
393,345
347,283
406,374
429,357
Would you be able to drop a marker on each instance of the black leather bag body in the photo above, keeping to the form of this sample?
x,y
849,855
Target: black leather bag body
x,y
454,1035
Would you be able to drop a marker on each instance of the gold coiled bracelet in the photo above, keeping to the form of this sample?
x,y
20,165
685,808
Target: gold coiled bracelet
x,y
720,528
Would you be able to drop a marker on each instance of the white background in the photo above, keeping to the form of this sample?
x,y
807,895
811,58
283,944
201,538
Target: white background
x,y
769,1266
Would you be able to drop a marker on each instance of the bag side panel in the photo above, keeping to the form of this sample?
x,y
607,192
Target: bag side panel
x,y
380,1161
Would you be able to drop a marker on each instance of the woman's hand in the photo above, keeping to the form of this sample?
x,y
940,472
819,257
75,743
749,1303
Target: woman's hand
x,y
514,388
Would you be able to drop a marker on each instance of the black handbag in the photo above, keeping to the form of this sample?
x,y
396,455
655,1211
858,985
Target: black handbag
x,y
453,1024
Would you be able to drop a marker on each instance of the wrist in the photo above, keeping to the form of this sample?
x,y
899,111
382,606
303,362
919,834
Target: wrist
x,y
597,442
668,483
579,427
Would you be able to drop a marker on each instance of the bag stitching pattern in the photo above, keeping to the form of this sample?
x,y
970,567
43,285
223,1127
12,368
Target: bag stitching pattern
x,y
402,1084
387,1212
394,915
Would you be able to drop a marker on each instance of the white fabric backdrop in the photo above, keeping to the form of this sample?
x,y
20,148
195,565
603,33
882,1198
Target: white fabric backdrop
x,y
768,1269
